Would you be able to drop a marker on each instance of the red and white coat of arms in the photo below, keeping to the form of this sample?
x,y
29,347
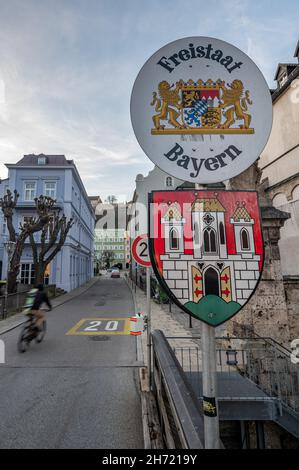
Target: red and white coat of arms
x,y
207,249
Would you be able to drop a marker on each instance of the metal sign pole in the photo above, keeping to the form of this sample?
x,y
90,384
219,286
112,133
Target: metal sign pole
x,y
140,254
209,384
148,313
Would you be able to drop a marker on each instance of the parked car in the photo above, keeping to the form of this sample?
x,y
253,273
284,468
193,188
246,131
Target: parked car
x,y
117,266
115,273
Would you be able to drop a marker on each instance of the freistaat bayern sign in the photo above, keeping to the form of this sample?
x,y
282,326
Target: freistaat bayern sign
x,y
201,110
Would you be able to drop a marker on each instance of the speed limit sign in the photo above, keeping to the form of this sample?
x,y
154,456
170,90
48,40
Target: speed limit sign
x,y
140,251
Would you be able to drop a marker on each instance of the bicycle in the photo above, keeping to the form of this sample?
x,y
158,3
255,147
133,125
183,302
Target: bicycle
x,y
30,332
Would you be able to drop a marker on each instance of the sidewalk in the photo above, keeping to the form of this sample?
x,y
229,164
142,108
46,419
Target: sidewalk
x,y
185,332
16,320
161,319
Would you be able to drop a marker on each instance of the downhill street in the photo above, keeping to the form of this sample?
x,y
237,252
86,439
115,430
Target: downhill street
x,y
74,391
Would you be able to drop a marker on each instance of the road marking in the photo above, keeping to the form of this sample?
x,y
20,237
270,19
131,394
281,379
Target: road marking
x,y
101,326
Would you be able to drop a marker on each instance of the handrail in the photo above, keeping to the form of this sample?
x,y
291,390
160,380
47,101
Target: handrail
x,y
267,339
184,405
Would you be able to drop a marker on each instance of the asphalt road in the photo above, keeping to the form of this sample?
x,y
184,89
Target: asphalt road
x,y
74,391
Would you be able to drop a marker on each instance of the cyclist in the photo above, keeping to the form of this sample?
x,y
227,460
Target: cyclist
x,y
38,297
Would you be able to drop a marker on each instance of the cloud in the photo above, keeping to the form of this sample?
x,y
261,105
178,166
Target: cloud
x,y
68,68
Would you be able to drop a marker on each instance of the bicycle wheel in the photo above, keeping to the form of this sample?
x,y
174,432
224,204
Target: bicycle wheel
x,y
24,339
41,334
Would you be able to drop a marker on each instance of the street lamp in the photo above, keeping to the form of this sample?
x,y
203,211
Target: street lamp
x,y
9,246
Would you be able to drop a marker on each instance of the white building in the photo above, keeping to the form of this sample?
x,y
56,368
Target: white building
x,y
279,161
138,208
155,180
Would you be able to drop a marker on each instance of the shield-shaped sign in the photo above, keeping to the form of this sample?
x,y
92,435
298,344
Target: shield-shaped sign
x,y
207,250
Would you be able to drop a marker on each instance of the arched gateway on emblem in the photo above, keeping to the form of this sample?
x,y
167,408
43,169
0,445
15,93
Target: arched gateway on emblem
x,y
211,282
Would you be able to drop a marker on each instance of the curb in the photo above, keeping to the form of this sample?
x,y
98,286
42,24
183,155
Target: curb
x,y
12,327
145,394
140,357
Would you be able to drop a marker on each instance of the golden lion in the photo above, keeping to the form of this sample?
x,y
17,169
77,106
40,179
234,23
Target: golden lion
x,y
232,99
169,98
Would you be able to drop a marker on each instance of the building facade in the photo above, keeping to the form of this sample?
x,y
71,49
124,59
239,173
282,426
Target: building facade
x,y
58,178
279,161
3,228
110,234
138,207
112,241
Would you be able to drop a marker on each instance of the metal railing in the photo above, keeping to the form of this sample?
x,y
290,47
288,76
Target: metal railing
x,y
262,360
180,418
15,302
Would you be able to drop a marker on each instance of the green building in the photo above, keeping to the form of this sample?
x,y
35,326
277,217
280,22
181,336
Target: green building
x,y
110,247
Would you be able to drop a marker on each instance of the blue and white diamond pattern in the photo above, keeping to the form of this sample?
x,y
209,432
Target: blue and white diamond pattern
x,y
192,116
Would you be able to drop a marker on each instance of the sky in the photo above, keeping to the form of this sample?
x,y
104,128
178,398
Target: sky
x,y
67,68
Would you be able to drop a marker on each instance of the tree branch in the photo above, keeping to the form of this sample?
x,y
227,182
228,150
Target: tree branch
x,y
34,248
8,204
64,229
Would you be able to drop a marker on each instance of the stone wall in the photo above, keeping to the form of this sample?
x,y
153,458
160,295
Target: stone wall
x,y
266,314
291,286
275,437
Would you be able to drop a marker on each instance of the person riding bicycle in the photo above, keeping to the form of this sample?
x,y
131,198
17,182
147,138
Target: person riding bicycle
x,y
33,303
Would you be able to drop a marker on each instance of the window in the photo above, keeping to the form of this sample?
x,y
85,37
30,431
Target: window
x,y
282,79
47,275
27,219
244,239
42,160
169,182
174,239
221,233
27,273
50,189
30,190
209,240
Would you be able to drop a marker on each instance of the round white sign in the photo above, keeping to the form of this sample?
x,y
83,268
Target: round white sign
x,y
140,251
201,110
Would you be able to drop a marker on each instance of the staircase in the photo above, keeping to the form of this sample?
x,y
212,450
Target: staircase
x,y
258,381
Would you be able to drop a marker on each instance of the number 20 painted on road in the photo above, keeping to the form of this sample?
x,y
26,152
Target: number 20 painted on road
x,y
94,326
101,326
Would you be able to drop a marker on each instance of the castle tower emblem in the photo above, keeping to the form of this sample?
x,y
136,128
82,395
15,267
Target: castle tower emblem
x,y
210,252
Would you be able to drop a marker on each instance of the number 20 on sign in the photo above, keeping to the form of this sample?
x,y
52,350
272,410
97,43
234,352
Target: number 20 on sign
x,y
140,251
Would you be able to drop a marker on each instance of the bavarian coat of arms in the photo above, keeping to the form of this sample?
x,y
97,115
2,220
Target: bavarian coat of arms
x,y
201,108
206,249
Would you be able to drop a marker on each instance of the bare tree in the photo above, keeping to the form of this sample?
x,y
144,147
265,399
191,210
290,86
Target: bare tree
x,y
107,257
111,199
52,239
43,206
